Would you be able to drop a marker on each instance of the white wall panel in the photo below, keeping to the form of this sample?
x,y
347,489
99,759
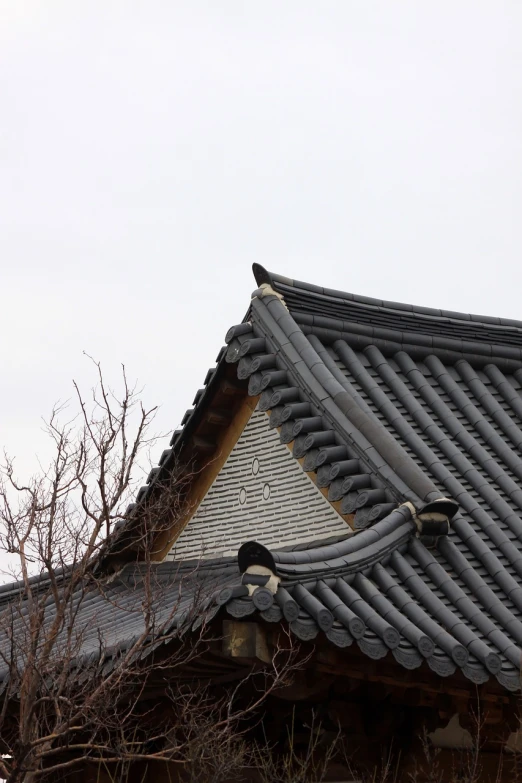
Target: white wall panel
x,y
261,493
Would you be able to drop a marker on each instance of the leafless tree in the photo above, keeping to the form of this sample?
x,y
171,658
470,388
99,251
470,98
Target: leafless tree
x,y
308,764
70,695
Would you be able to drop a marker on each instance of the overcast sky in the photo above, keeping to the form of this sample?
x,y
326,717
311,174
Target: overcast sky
x,y
151,151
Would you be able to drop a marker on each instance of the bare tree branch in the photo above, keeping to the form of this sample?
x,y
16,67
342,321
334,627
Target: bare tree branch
x,y
76,690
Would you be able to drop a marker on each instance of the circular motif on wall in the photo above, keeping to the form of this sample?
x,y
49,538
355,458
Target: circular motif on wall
x,y
266,491
255,466
242,496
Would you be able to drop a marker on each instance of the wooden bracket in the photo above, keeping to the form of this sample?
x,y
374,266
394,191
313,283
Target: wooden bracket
x,y
246,641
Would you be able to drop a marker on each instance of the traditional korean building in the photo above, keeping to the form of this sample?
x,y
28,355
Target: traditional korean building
x,y
356,473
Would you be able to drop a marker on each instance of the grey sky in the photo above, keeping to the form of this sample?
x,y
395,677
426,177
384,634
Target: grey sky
x,y
151,151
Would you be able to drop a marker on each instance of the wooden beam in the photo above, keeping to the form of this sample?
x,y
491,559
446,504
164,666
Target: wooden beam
x,y
203,445
246,641
218,417
431,686
352,664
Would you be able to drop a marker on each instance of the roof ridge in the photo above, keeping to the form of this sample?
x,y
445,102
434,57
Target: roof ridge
x,y
284,284
356,426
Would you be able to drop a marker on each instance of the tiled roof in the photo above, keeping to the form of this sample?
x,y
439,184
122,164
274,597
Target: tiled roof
x,y
111,614
429,403
390,407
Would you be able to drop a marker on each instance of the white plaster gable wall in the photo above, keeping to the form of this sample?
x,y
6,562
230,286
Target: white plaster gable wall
x,y
262,494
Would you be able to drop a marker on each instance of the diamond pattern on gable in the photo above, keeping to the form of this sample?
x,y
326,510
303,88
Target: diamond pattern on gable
x,y
260,493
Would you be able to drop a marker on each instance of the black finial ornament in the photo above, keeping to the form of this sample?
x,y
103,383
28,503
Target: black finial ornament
x,y
252,553
434,518
261,274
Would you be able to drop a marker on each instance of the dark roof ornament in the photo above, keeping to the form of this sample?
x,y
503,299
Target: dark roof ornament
x,y
258,567
265,287
433,520
262,276
254,554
